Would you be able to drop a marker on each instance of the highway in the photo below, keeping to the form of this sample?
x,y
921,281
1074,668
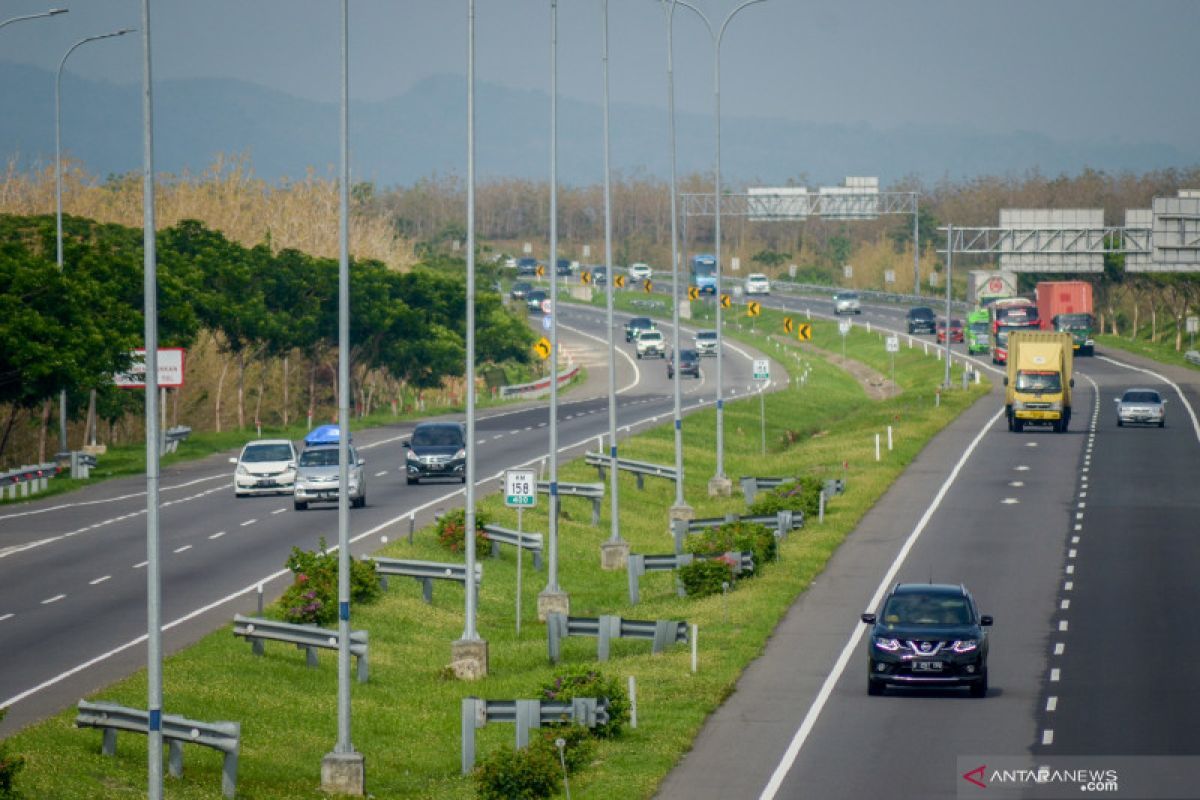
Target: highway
x,y
72,567
1081,545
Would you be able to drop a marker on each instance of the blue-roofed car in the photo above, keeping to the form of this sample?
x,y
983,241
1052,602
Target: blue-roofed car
x,y
323,434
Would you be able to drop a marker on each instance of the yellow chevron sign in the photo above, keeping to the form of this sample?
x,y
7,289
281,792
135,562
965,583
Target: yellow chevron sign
x,y
804,332
647,286
586,277
693,293
542,348
753,308
619,281
787,325
726,301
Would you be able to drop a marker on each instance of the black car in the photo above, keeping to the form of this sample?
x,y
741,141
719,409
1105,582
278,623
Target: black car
x,y
534,300
527,266
921,320
927,634
638,324
600,276
564,268
689,364
520,289
437,450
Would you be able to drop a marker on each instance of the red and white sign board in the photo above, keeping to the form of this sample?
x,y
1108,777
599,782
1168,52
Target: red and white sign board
x,y
170,369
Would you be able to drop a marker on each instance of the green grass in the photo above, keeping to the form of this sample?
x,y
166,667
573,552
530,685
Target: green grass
x,y
1163,350
406,719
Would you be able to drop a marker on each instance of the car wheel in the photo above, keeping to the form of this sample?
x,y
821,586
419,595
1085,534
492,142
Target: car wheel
x,y
463,479
359,502
411,481
1018,425
639,355
300,506
874,687
1119,423
979,688
1162,423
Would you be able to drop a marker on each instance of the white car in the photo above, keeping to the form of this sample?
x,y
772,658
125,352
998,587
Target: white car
x,y
651,343
846,303
319,477
757,283
640,271
706,343
265,466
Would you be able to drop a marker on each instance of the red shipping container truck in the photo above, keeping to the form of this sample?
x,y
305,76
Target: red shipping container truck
x,y
1066,306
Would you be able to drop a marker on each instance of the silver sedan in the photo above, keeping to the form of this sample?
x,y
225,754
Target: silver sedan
x,y
1144,406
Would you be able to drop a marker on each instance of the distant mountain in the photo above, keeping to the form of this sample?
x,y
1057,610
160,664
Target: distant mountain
x,y
421,133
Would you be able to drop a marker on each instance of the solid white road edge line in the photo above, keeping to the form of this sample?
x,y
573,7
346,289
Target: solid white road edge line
x,y
1166,380
814,711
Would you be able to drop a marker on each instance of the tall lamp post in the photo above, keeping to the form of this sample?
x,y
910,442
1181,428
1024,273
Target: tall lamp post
x,y
614,553
719,484
680,510
48,13
62,396
342,771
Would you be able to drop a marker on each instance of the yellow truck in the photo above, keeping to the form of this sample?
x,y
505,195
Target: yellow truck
x,y
1037,388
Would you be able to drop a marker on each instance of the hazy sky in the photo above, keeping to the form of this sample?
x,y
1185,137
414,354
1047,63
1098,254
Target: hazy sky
x,y
1074,69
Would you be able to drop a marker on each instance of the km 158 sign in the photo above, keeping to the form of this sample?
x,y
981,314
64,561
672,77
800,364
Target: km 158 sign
x,y
520,488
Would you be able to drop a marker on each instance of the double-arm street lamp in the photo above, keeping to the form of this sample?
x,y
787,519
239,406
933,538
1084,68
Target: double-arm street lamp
x,y
719,484
48,13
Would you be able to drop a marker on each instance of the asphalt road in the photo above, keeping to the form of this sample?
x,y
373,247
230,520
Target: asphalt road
x,y
1082,545
72,568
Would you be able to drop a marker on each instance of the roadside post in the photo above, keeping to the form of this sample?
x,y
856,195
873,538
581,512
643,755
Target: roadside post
x,y
844,330
893,347
520,492
762,372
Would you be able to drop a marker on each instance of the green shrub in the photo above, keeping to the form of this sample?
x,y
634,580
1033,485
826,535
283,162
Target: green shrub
x,y
590,683
10,765
704,576
510,774
451,526
736,536
577,748
313,595
802,495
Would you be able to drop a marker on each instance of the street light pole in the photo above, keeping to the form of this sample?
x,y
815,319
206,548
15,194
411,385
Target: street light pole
x,y
949,267
62,396
614,554
154,688
719,484
48,13
680,510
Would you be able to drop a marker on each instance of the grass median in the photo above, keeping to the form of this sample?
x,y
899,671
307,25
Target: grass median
x,y
406,719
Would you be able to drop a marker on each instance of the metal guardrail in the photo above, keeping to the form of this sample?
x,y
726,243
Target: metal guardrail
x,y
591,491
27,479
173,436
661,632
639,564
936,300
526,715
639,468
521,540
177,731
306,637
1193,357
537,387
424,571
751,485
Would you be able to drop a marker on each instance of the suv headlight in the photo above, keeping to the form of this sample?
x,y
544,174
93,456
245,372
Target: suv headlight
x,y
883,643
462,453
411,456
964,645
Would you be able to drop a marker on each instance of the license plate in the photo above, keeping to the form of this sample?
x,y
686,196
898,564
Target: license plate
x,y
266,483
327,495
927,666
436,467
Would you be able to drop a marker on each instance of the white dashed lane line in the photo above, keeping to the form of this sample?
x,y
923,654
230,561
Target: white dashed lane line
x,y
6,616
249,522
377,475
1048,737
54,599
217,535
183,549
140,564
1051,703
284,510
1055,675
99,580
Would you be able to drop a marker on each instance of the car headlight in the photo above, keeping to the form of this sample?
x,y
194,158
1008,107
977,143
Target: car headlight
x,y
965,645
411,456
241,470
891,645
462,453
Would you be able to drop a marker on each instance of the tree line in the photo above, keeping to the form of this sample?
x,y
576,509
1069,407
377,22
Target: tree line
x,y
73,329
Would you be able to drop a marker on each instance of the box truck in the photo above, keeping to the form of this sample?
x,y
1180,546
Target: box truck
x,y
1039,382
1066,307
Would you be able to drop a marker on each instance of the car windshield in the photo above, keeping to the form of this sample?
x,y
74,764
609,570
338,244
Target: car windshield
x,y
687,355
267,452
846,296
926,609
641,322
921,313
650,336
1038,382
438,436
707,336
979,328
1073,322
319,457
1141,397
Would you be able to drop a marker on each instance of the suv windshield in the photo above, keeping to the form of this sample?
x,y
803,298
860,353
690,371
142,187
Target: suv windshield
x,y
319,457
267,452
1038,382
437,436
926,609
921,313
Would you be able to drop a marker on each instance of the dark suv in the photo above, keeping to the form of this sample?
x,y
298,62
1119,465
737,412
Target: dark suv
x,y
927,634
638,324
921,320
437,450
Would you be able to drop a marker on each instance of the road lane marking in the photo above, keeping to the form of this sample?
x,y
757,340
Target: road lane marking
x,y
1062,624
852,644
249,522
1065,604
1074,540
99,580
1048,737
6,616
140,564
54,599
1068,586
185,548
1055,675
1058,648
279,511
217,535
1070,569
1051,703
377,475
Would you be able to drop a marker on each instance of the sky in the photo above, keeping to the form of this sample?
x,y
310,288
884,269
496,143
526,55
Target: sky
x,y
1097,70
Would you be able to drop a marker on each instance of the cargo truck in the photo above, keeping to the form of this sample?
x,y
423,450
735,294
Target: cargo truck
x,y
1039,382
979,332
1066,307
